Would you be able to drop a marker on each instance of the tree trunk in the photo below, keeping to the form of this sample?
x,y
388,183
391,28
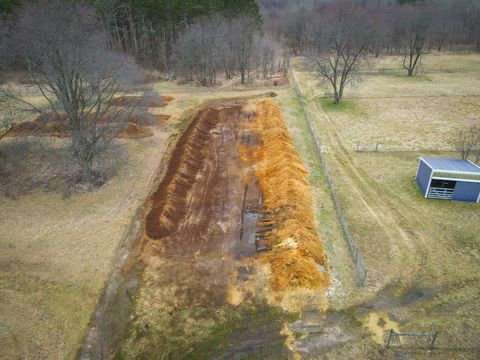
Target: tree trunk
x,y
337,96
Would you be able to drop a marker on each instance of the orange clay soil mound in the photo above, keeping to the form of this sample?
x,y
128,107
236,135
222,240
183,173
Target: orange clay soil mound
x,y
297,259
159,101
169,201
138,126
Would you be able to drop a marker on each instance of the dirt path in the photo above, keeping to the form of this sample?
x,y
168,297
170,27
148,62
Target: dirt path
x,y
201,247
198,293
227,242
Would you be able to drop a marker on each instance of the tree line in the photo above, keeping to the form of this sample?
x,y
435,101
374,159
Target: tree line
x,y
63,48
80,55
226,46
338,36
149,29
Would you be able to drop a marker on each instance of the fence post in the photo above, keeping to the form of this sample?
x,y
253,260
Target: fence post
x,y
376,147
433,339
390,335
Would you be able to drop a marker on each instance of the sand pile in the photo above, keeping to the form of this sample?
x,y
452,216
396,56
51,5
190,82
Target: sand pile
x,y
297,259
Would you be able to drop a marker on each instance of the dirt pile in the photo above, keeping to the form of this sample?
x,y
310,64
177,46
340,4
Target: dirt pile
x,y
140,125
169,201
150,102
297,259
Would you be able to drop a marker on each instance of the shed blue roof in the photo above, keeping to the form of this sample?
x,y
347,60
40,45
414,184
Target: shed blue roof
x,y
455,165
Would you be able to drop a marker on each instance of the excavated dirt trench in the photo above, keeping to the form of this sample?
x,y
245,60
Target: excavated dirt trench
x,y
227,234
197,209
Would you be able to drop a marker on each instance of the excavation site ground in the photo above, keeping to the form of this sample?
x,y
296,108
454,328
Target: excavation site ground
x,y
227,236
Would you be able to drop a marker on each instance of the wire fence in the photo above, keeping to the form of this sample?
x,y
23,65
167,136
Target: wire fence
x,y
360,267
392,334
379,147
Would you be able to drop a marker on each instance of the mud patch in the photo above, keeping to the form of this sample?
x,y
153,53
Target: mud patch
x,y
378,324
197,294
212,223
394,295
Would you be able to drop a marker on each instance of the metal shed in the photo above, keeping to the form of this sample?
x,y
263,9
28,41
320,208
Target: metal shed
x,y
449,179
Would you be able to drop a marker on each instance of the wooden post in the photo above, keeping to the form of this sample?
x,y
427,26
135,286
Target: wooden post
x,y
365,272
376,147
434,337
390,335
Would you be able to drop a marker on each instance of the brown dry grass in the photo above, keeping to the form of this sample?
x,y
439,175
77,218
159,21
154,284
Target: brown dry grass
x,y
56,254
56,251
405,239
401,112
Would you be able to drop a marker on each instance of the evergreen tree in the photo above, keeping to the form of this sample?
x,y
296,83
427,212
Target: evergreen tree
x,y
8,6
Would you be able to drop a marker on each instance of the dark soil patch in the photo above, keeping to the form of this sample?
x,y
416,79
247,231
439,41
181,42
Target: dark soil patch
x,y
139,125
392,297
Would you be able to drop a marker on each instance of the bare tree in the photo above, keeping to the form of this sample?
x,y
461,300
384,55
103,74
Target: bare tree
x,y
475,22
414,27
266,55
245,40
341,45
198,52
467,141
223,44
227,53
7,115
6,55
7,108
66,52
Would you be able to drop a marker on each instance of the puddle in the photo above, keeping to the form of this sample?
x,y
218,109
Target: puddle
x,y
394,295
378,324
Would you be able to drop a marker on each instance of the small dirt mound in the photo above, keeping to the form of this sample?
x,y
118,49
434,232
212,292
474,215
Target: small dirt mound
x,y
139,126
297,259
170,199
141,101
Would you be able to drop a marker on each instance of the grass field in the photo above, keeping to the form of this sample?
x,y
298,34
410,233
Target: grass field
x,y
423,256
410,245
56,254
